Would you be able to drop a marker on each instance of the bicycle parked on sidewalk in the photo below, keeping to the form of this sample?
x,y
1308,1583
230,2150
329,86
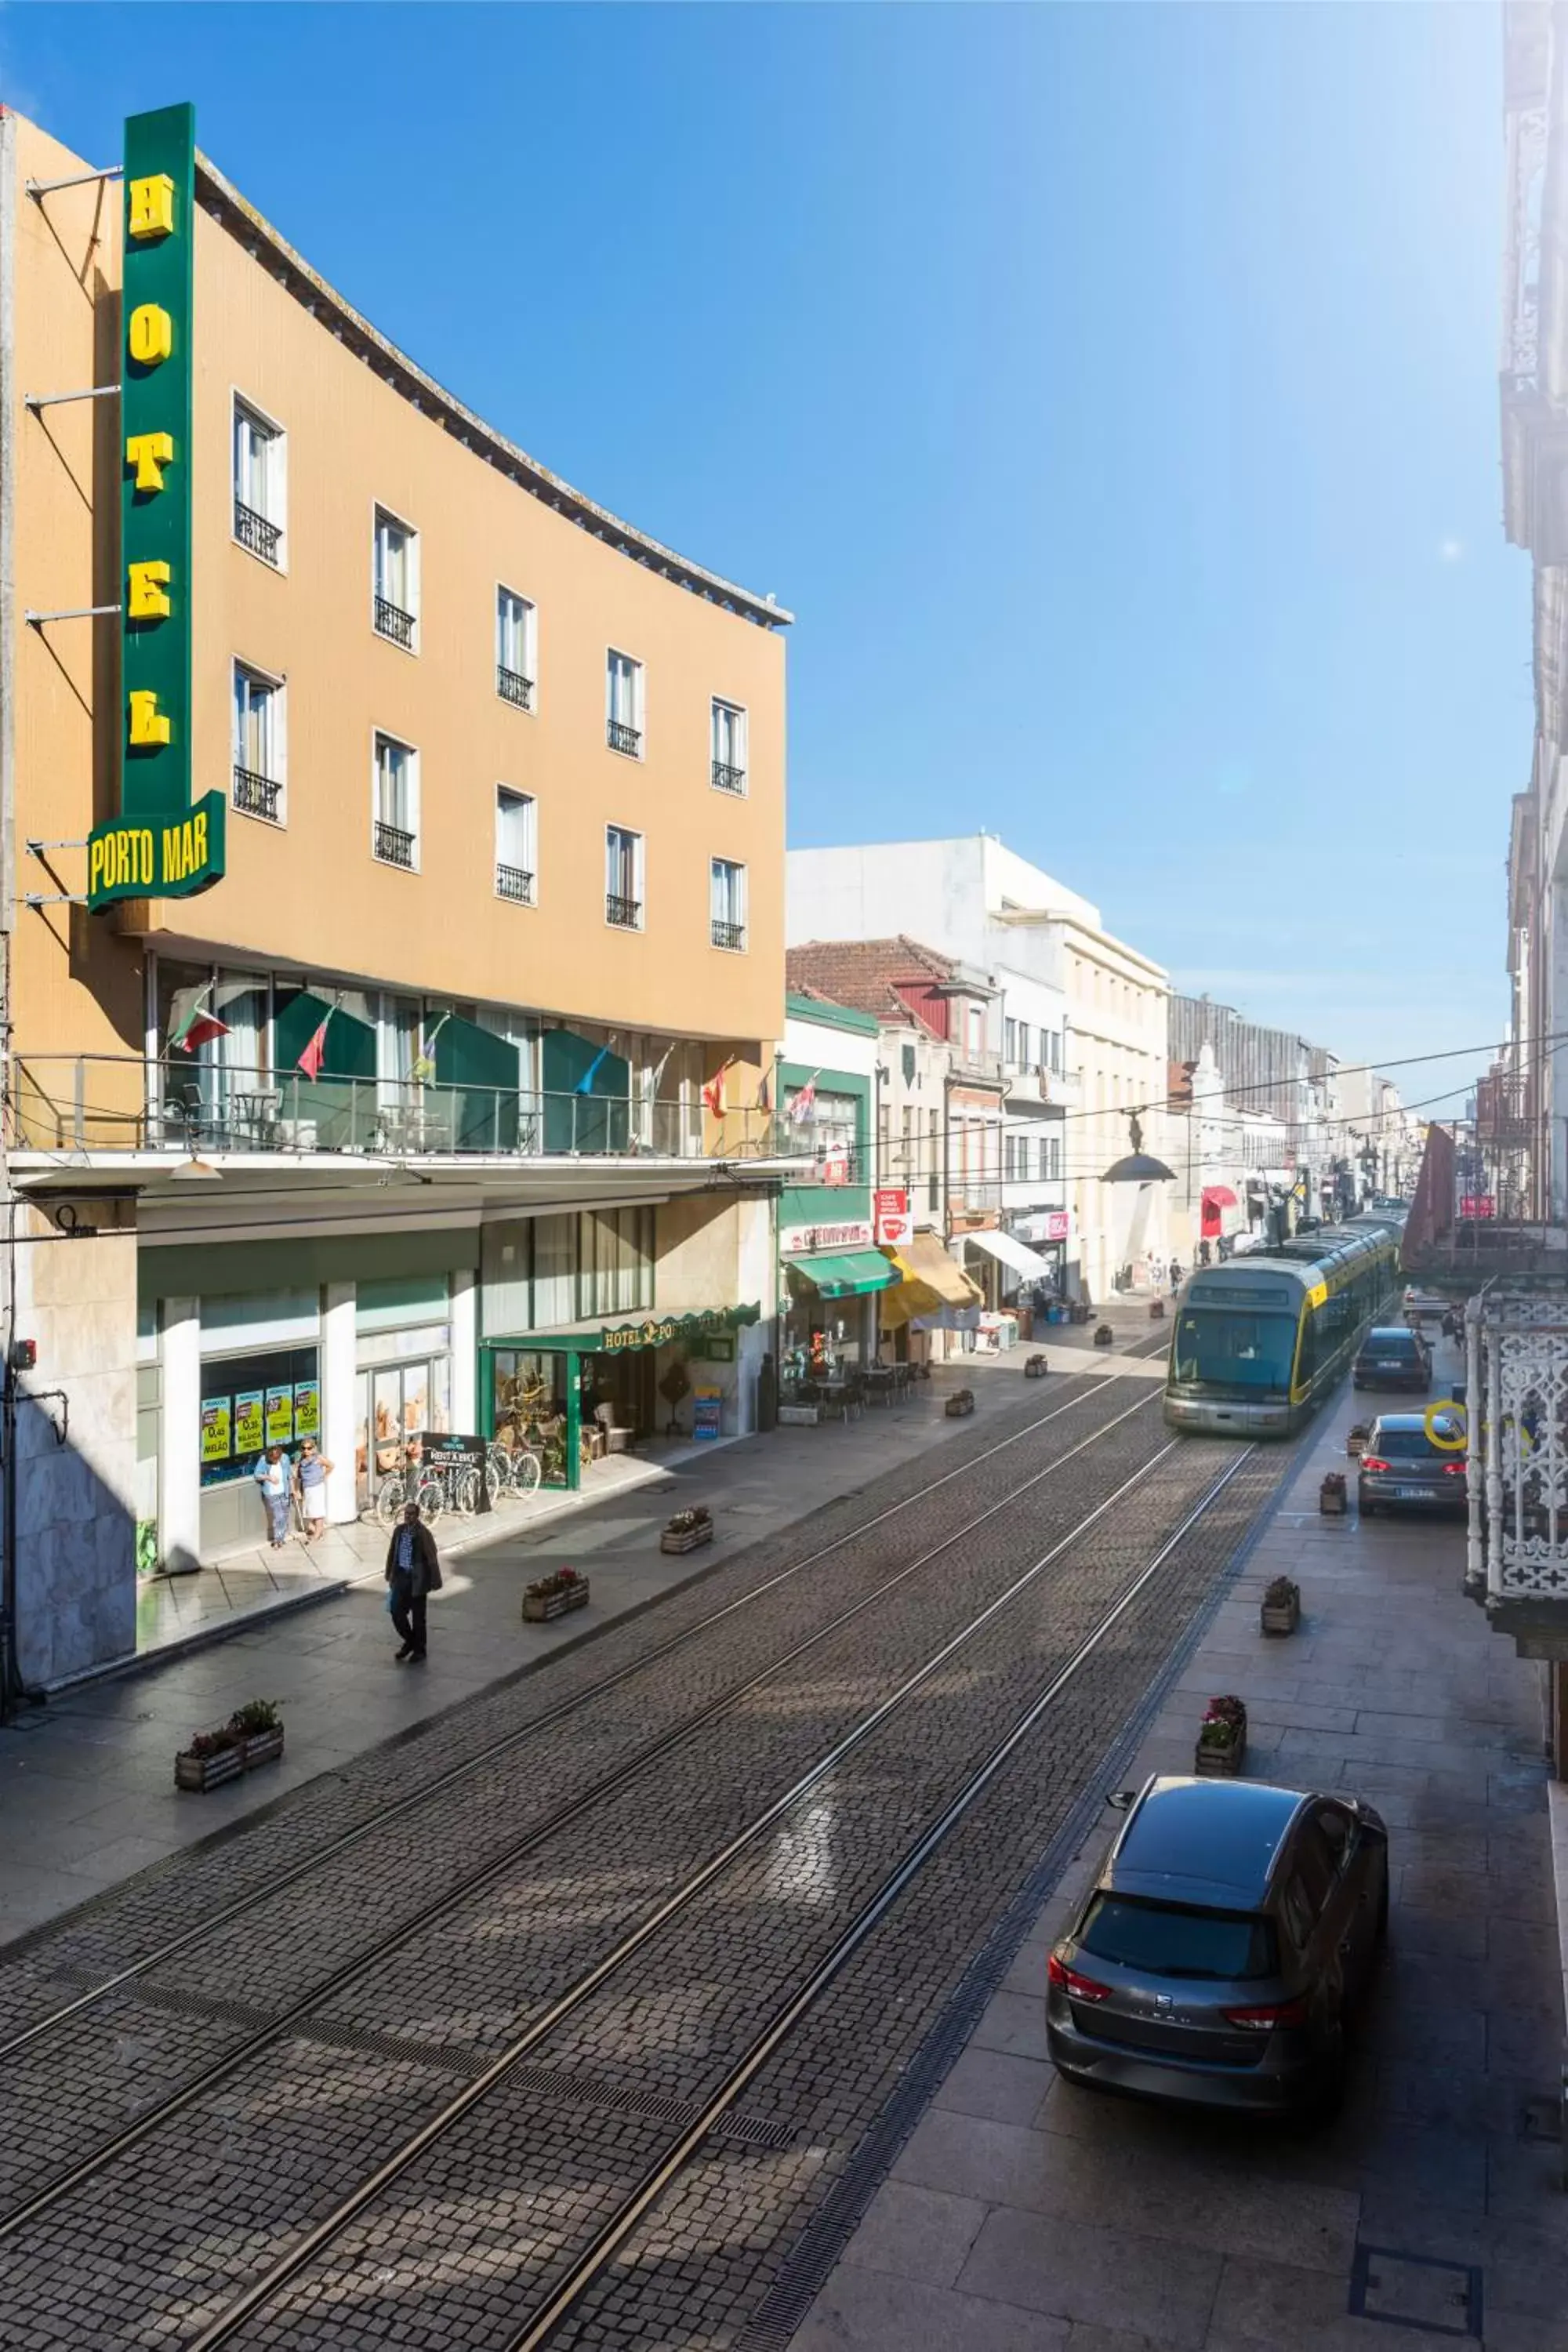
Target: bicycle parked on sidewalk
x,y
411,1484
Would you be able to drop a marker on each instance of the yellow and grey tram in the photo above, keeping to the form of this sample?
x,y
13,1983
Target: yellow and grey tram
x,y
1261,1338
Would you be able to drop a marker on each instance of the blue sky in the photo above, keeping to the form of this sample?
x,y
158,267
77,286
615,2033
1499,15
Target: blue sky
x,y
1110,390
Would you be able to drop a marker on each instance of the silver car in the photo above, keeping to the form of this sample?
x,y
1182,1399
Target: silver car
x,y
1223,1948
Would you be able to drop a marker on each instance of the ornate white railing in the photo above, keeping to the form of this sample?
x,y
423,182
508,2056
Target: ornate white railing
x,y
1517,1398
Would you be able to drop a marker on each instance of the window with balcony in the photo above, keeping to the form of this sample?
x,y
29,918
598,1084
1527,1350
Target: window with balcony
x,y
622,878
624,704
729,746
727,904
516,850
260,499
394,815
394,607
258,744
517,656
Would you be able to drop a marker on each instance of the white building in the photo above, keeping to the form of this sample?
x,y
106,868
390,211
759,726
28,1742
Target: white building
x,y
1059,973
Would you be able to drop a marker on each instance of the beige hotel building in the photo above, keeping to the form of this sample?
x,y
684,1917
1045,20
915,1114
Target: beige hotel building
x,y
404,1108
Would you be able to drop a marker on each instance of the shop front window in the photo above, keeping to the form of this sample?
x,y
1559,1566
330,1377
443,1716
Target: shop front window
x,y
531,1406
252,1401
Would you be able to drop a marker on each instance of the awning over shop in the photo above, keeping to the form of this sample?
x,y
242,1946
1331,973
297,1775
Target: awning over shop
x,y
1221,1212
844,1273
1026,1262
928,1281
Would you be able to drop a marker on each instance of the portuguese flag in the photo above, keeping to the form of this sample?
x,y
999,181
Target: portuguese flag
x,y
191,1022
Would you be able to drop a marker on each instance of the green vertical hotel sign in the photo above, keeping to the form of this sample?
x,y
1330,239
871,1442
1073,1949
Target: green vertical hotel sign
x,y
162,844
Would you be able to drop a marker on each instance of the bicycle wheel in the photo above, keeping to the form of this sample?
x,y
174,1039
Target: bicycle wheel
x,y
466,1493
498,1470
389,1500
525,1470
431,1496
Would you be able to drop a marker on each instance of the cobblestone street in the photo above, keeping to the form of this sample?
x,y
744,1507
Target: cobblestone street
x,y
602,2019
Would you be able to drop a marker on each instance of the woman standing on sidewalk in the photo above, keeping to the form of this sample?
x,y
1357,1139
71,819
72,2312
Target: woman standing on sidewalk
x,y
310,1479
273,1475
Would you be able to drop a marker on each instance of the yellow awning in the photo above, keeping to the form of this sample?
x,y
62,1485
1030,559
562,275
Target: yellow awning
x,y
928,1280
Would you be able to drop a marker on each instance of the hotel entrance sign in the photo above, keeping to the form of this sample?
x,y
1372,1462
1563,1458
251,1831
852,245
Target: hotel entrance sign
x,y
162,844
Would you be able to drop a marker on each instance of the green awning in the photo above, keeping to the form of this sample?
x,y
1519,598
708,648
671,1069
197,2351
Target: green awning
x,y
844,1273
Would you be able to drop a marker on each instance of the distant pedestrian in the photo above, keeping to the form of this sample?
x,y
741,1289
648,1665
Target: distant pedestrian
x,y
412,1571
1176,1275
311,1476
273,1476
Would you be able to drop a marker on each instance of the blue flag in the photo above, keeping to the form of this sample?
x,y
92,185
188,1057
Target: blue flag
x,y
584,1085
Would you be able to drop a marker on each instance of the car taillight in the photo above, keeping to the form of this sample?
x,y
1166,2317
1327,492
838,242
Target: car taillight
x,y
1372,1462
1264,2020
1069,1980
1453,1469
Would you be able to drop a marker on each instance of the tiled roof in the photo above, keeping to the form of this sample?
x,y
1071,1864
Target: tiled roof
x,y
863,973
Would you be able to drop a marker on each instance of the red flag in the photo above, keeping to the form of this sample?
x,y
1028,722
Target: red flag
x,y
713,1091
311,1058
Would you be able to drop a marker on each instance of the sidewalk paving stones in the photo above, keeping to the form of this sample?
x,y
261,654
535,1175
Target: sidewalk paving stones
x,y
1428,2214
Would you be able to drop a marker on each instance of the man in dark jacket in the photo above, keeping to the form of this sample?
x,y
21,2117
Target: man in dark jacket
x,y
414,1571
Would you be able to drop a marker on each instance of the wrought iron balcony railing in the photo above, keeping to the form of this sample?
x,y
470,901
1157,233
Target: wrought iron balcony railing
x,y
625,914
512,686
729,935
256,796
727,779
253,530
625,739
393,847
515,882
106,1104
393,621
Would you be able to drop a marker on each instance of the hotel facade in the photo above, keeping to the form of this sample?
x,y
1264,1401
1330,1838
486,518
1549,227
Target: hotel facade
x,y
394,898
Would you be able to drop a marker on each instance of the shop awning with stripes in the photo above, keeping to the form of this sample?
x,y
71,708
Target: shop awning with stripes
x,y
844,1273
1027,1263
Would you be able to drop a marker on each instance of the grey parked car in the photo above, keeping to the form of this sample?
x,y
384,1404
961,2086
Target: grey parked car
x,y
1223,1948
1401,1470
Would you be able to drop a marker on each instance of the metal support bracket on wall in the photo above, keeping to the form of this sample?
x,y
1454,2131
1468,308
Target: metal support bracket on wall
x,y
37,400
58,899
39,189
70,612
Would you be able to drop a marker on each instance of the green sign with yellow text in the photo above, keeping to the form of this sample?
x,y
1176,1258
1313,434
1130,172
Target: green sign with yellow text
x,y
161,844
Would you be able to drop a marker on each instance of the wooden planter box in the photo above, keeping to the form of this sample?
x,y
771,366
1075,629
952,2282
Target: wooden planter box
x,y
1104,1337
1332,1500
199,1773
1036,1368
958,1403
1219,1763
1355,1443
1280,1616
685,1540
1156,1310
539,1607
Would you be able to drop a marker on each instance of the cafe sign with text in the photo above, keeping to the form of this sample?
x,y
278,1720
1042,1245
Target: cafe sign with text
x,y
162,844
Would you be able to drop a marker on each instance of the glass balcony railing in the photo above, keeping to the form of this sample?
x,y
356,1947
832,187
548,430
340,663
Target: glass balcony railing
x,y
102,1103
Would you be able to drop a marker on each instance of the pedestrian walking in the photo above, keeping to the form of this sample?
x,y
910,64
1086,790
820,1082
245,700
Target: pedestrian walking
x,y
412,1572
1176,1275
273,1475
311,1476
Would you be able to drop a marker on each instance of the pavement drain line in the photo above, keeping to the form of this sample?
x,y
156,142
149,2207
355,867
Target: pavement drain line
x,y
804,2270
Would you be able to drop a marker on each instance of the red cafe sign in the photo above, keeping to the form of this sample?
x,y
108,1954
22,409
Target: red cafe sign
x,y
891,1214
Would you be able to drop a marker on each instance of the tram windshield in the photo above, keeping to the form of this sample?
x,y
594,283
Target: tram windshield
x,y
1225,1349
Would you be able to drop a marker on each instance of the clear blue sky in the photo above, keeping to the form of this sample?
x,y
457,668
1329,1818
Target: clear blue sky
x,y
1110,390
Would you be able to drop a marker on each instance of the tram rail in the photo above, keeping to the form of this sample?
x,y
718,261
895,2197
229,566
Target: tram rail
x,y
603,2239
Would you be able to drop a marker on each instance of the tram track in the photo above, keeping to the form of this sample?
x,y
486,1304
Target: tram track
x,y
565,2279
940,1682
444,1782
236,2046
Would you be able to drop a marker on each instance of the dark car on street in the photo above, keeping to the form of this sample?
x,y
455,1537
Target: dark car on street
x,y
1393,1358
1223,1948
1401,1470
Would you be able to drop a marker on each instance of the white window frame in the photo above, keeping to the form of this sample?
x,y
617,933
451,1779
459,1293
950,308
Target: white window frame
x,y
381,512
529,807
378,735
276,510
741,733
639,876
735,865
639,700
277,686
530,668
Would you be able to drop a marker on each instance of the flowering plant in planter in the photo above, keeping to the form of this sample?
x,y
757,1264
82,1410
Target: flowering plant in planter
x,y
1224,1724
684,1523
257,1715
1282,1590
564,1580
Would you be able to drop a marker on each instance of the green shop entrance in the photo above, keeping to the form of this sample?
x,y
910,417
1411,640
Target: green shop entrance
x,y
576,1394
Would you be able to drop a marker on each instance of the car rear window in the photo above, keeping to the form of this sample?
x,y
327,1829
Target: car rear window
x,y
1389,1343
1170,1940
1408,1446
